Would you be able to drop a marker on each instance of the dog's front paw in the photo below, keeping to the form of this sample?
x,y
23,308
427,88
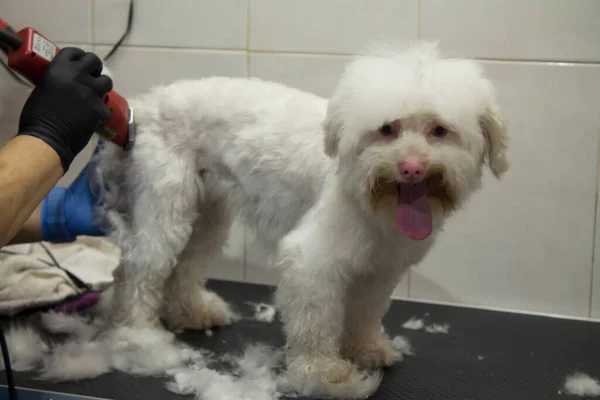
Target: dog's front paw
x,y
202,310
216,311
328,377
375,353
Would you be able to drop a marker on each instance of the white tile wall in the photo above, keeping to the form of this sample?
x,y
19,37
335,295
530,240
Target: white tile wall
x,y
181,23
12,98
136,69
256,263
230,264
315,73
554,30
526,243
59,20
333,26
529,239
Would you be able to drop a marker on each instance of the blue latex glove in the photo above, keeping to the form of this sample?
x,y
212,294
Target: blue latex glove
x,y
68,212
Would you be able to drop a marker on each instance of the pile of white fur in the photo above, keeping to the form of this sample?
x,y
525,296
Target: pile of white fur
x,y
252,374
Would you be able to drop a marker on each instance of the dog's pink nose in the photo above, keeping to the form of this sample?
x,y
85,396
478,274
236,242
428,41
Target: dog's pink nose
x,y
412,170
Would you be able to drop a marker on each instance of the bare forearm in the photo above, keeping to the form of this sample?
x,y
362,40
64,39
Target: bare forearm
x,y
29,169
31,231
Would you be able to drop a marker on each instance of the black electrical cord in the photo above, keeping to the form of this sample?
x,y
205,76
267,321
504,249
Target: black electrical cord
x,y
10,39
78,282
10,382
125,34
5,44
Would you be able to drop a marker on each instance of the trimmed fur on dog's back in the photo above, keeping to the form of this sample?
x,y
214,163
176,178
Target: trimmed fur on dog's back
x,y
237,131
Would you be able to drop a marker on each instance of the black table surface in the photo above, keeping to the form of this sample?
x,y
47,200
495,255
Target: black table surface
x,y
486,355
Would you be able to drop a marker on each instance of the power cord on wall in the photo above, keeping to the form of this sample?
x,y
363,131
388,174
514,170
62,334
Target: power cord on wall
x,y
125,34
112,51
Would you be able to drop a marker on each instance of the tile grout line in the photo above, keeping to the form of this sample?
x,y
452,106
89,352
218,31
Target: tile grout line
x,y
175,48
419,5
244,276
594,236
518,311
342,54
92,24
248,38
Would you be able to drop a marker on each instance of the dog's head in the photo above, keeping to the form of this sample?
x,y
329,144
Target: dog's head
x,y
411,132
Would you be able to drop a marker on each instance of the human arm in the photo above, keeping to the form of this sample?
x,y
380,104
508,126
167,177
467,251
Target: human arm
x,y
23,184
64,214
57,122
31,230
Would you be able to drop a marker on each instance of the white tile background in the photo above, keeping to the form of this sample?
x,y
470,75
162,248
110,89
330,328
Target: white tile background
x,y
528,243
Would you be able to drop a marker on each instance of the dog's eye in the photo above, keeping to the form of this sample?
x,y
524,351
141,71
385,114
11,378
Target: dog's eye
x,y
386,130
439,131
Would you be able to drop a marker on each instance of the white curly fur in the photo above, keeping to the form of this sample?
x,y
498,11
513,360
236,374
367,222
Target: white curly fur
x,y
303,173
26,348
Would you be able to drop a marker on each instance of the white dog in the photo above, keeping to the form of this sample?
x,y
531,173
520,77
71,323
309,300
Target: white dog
x,y
348,193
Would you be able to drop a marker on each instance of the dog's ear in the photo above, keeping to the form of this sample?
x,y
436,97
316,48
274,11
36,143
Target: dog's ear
x,y
496,135
332,127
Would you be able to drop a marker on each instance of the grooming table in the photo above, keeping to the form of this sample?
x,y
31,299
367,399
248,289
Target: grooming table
x,y
486,355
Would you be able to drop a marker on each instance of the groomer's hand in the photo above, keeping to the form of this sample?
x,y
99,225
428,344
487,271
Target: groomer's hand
x,y
69,212
65,213
66,106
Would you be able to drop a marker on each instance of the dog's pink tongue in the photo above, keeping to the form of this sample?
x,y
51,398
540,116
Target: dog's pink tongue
x,y
413,217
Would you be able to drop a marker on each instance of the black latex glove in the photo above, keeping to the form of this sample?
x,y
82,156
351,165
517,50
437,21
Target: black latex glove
x,y
66,106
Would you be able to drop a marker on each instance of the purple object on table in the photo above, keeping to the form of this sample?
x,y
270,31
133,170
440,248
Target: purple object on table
x,y
85,301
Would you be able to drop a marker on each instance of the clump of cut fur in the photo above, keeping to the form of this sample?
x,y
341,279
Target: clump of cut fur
x,y
414,324
80,356
75,325
77,357
437,328
264,312
581,384
400,343
25,346
75,360
253,377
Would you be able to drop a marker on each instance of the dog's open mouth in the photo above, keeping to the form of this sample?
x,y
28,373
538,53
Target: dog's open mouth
x,y
413,210
413,216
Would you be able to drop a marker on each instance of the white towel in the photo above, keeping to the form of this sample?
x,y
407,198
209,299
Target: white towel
x,y
29,278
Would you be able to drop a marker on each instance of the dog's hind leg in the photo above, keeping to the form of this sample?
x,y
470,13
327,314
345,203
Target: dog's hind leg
x,y
162,187
187,303
165,189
